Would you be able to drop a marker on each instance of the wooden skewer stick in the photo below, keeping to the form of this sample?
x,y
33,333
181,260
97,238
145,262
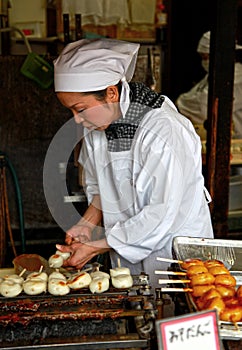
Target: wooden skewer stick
x,y
160,272
22,272
119,263
169,260
167,289
236,326
173,281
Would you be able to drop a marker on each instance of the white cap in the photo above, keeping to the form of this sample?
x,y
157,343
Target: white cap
x,y
204,44
92,65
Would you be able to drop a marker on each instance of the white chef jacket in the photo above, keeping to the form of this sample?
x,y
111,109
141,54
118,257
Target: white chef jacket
x,y
151,193
193,104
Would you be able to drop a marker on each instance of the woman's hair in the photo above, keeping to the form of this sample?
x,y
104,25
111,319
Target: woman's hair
x,y
101,94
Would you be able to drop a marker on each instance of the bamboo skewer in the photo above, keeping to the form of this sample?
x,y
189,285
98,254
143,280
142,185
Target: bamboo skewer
x,y
22,272
169,260
168,289
160,272
161,281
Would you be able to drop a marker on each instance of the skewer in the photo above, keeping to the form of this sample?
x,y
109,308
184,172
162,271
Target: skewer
x,y
160,272
169,260
173,281
167,289
22,272
236,326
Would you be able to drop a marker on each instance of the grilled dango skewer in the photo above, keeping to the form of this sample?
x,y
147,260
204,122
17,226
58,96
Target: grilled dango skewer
x,y
79,280
218,270
231,313
196,269
225,280
99,285
58,287
10,289
35,286
202,279
190,262
213,262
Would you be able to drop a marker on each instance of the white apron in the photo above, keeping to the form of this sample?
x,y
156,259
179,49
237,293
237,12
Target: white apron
x,y
151,193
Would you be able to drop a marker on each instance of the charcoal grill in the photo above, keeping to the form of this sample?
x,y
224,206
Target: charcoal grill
x,y
80,320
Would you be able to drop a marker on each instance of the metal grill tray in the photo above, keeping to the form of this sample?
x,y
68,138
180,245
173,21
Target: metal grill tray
x,y
227,251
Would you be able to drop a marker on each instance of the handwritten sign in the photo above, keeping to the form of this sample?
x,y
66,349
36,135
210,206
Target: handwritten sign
x,y
193,331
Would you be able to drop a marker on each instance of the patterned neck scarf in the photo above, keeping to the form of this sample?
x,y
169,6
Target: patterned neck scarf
x,y
120,133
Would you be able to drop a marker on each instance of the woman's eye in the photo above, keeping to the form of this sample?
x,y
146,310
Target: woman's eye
x,y
80,111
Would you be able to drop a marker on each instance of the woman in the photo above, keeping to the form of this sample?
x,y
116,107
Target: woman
x,y
142,160
194,103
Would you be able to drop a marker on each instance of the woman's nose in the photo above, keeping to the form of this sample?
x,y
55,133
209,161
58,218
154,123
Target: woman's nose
x,y
78,118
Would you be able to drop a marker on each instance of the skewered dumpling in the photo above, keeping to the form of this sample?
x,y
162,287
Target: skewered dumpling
x,y
99,285
56,260
10,289
34,286
121,277
15,278
11,285
119,271
36,283
37,276
57,284
122,281
79,280
58,287
99,274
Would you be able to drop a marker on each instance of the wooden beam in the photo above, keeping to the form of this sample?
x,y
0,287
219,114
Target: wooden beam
x,y
220,101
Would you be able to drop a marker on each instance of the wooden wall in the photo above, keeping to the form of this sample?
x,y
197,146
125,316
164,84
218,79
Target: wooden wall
x,y
29,118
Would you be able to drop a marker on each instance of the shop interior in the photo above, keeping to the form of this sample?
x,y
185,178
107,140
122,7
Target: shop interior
x,y
31,117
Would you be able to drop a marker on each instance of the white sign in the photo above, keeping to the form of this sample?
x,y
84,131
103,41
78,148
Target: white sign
x,y
197,331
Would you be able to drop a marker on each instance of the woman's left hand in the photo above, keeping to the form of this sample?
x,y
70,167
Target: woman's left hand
x,y
80,254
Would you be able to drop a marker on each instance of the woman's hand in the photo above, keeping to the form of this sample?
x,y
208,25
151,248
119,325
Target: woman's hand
x,y
82,231
78,233
82,253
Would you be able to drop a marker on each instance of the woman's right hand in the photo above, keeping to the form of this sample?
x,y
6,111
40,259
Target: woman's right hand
x,y
78,233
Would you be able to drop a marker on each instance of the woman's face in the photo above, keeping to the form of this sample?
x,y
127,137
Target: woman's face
x,y
92,113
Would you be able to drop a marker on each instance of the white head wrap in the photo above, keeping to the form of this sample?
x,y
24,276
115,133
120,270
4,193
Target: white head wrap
x,y
93,65
204,44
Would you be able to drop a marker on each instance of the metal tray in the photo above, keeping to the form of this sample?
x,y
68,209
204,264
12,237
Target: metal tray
x,y
228,251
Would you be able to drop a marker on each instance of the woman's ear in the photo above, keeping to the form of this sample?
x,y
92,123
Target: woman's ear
x,y
112,94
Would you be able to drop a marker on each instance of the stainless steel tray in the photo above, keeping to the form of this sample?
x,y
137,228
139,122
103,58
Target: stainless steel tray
x,y
228,251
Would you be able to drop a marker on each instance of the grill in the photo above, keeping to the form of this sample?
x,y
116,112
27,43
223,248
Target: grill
x,y
81,320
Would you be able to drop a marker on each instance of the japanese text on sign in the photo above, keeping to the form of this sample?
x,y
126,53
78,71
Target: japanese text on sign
x,y
193,331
